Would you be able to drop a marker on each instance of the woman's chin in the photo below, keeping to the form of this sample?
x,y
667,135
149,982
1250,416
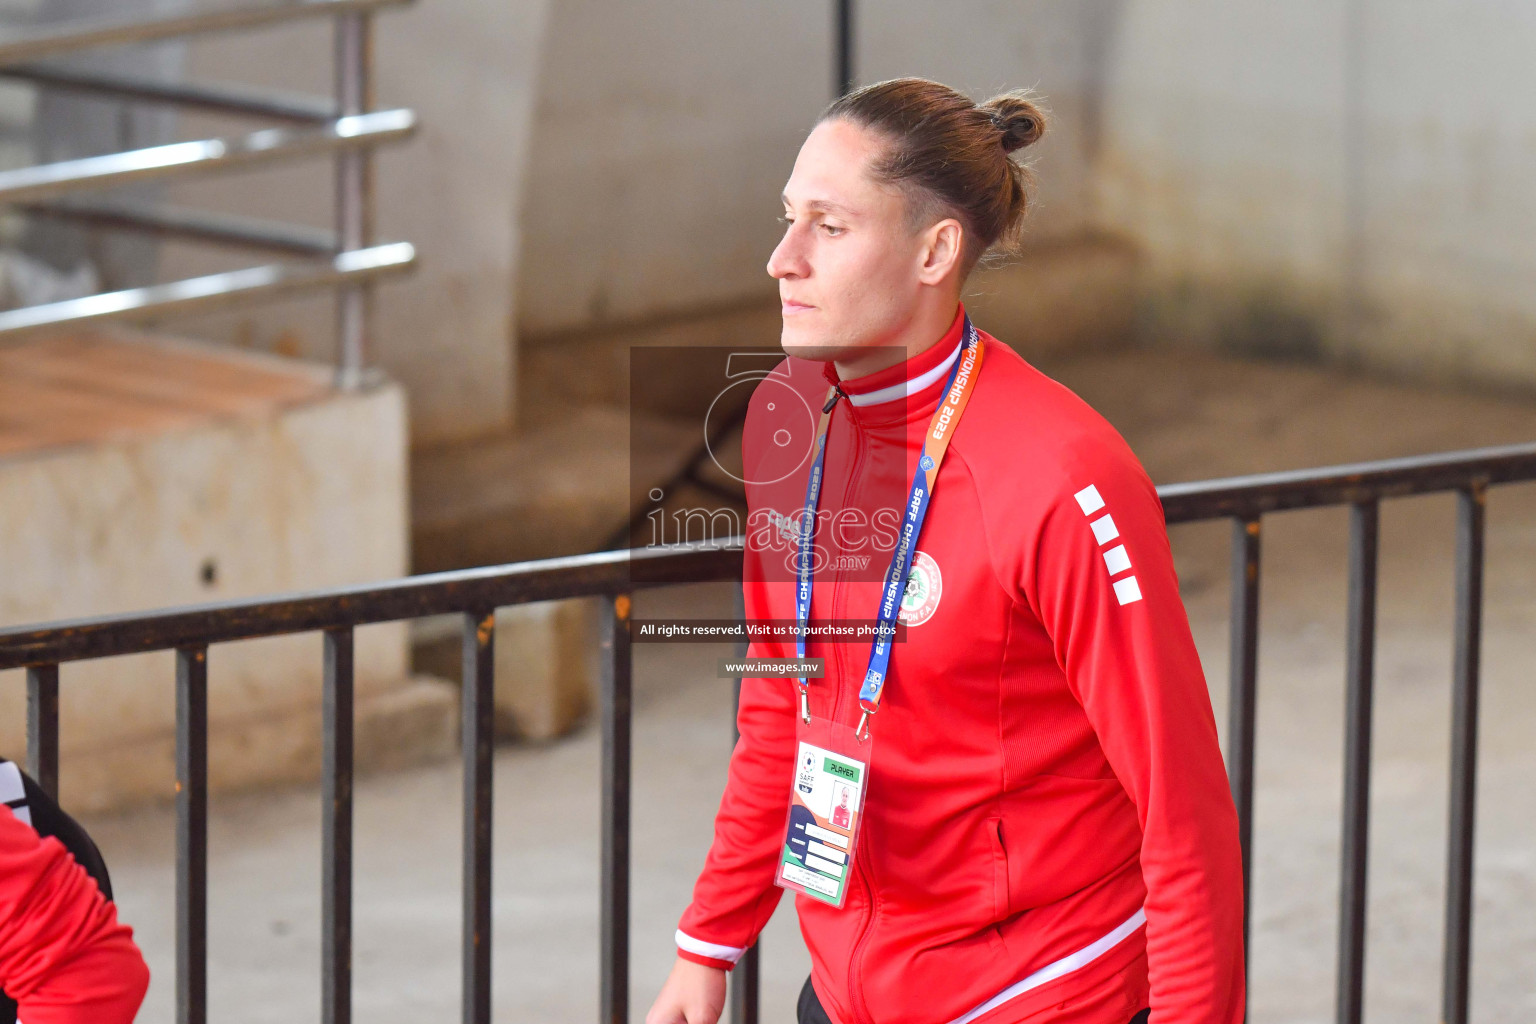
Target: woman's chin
x,y
818,353
804,342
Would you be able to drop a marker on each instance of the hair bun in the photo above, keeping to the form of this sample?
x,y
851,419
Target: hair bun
x,y
1017,117
951,157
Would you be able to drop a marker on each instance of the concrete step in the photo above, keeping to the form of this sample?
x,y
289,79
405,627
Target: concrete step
x,y
592,366
556,490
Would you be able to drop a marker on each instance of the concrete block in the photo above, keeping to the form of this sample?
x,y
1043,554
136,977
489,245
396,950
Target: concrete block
x,y
546,664
546,667
415,724
559,490
139,472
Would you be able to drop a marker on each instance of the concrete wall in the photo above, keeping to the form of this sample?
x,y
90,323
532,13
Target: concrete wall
x,y
1340,180
984,47
1322,179
663,135
665,132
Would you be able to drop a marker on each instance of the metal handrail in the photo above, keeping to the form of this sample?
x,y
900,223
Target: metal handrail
x,y
476,593
1249,496
212,290
345,127
218,98
270,145
34,42
408,597
205,226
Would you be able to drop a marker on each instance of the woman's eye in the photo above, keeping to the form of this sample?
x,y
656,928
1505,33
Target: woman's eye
x,y
786,220
833,229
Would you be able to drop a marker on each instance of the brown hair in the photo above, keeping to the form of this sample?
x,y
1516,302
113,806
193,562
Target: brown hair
x,y
951,156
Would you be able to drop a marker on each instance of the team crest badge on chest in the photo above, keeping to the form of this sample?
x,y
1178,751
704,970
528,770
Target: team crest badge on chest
x,y
924,588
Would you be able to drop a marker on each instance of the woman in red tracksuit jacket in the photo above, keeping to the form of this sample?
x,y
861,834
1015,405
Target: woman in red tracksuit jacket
x,y
1048,834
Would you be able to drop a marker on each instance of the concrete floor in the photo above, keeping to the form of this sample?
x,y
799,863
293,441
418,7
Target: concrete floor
x,y
1189,416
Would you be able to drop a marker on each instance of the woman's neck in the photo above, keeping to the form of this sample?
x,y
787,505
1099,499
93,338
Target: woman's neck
x,y
923,332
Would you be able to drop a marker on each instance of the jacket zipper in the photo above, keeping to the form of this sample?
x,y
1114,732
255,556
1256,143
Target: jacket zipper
x,y
855,990
855,962
840,594
839,605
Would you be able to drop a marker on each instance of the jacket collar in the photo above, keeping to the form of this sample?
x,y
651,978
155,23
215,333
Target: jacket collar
x,y
906,391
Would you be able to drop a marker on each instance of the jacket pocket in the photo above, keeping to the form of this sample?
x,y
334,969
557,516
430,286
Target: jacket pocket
x,y
1000,904
1065,834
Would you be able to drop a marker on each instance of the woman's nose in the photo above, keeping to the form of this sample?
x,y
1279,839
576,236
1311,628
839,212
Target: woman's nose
x,y
787,260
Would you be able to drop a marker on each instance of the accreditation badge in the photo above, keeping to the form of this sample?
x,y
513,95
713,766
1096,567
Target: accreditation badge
x,y
826,805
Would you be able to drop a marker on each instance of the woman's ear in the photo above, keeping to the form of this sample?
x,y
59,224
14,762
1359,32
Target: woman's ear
x,y
942,243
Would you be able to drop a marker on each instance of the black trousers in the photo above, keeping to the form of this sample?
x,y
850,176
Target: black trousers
x,y
809,1010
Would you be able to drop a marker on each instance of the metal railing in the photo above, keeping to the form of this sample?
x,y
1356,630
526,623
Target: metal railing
x,y
344,127
475,594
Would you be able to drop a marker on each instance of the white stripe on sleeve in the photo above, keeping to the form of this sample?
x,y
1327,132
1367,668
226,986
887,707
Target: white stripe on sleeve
x,y
698,947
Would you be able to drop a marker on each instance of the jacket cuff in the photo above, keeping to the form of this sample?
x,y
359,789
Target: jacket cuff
x,y
709,954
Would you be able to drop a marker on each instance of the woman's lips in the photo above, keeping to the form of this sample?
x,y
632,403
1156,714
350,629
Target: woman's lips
x,y
790,306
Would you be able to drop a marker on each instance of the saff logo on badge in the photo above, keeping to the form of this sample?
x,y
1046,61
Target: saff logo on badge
x,y
925,585
807,779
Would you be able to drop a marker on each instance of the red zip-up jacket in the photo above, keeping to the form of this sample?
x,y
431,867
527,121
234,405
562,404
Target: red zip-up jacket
x,y
64,956
1048,833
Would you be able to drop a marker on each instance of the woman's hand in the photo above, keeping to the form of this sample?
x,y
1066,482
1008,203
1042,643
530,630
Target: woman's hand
x,y
693,994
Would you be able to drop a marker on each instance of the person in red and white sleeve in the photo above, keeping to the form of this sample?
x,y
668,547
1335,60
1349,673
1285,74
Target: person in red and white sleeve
x,y
65,958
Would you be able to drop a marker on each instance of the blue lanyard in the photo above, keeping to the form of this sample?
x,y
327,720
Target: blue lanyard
x,y
940,430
